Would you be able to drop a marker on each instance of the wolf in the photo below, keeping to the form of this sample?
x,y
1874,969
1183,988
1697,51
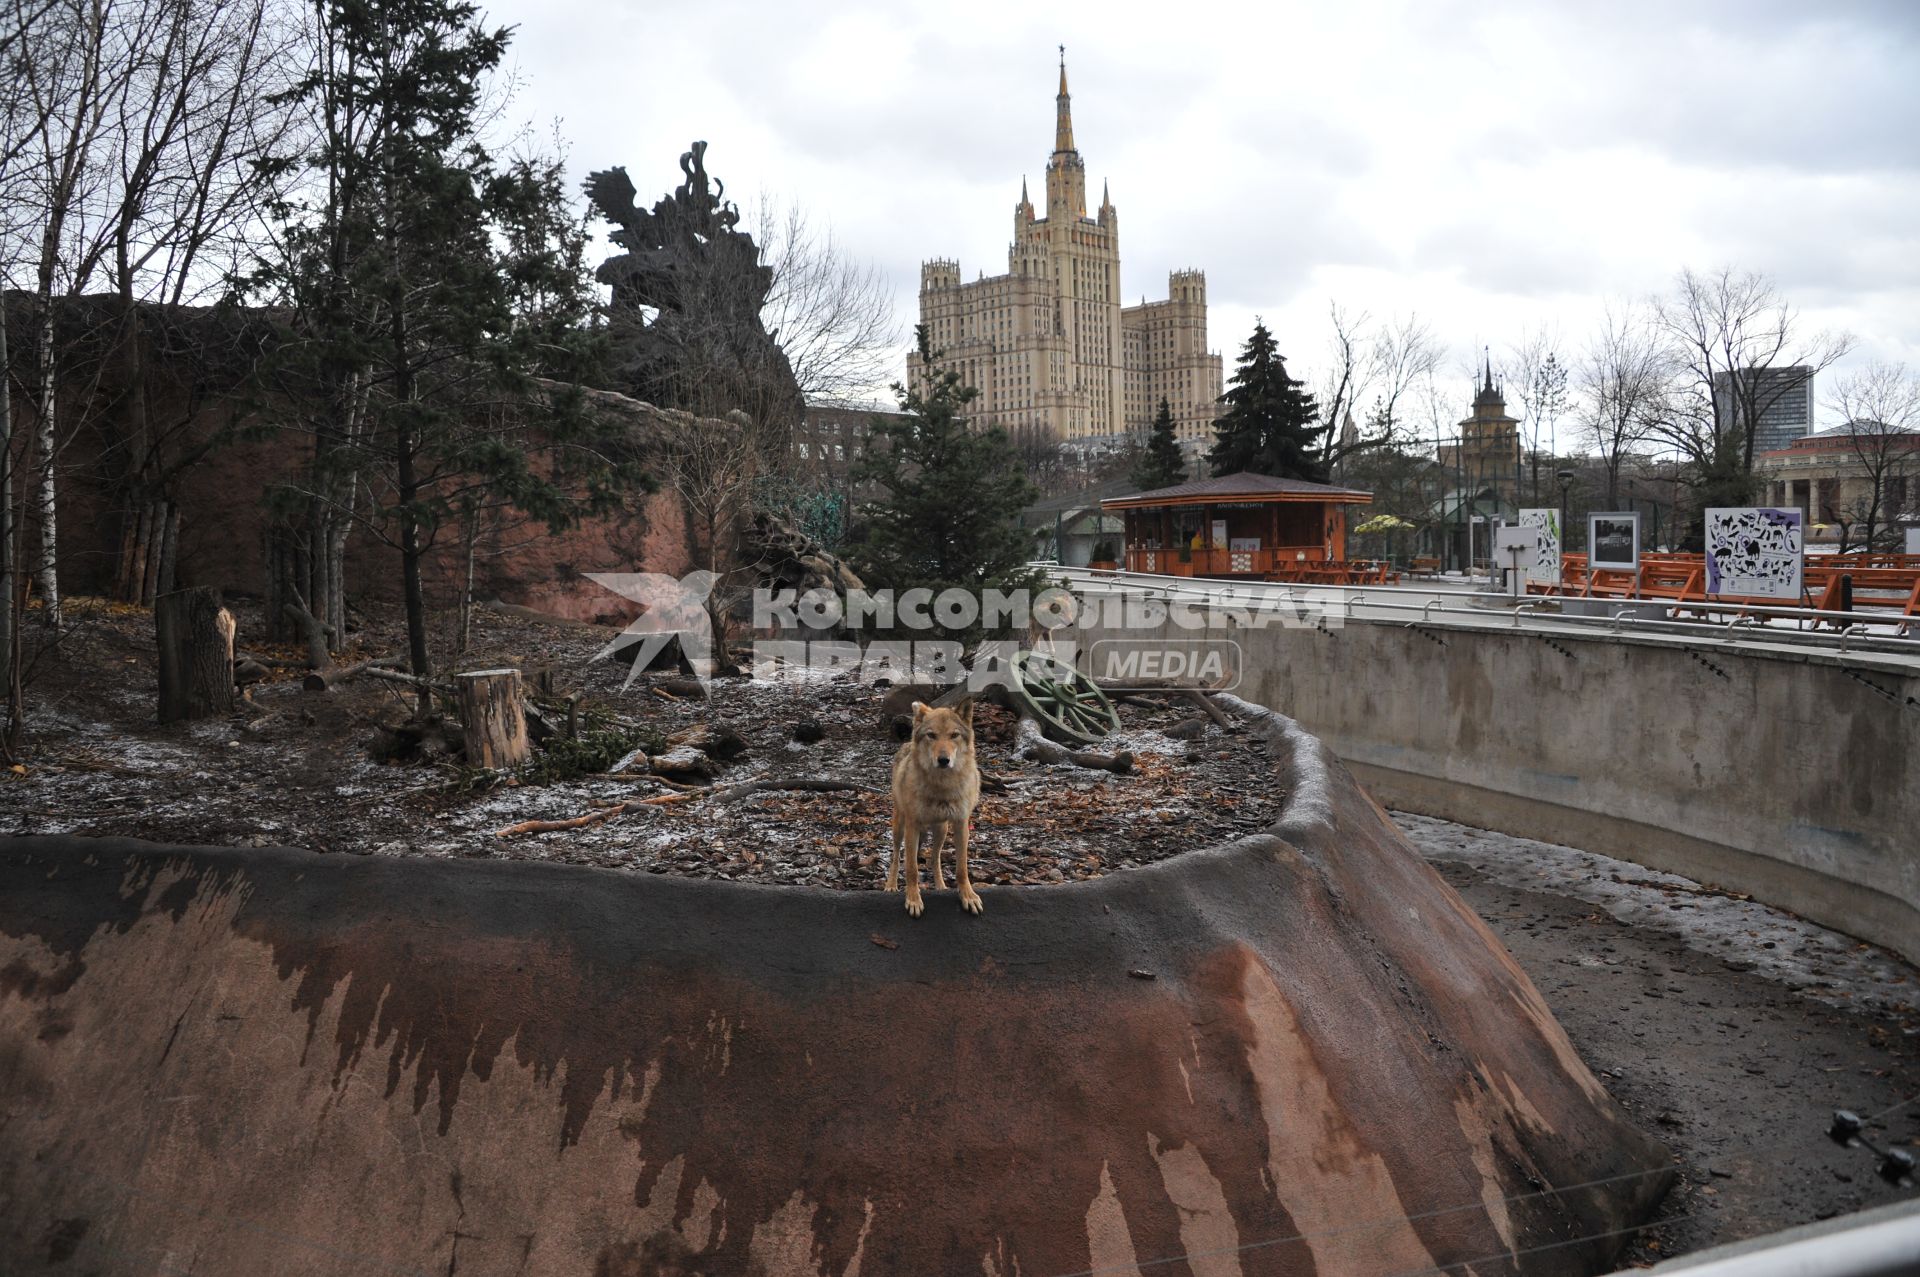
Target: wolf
x,y
936,785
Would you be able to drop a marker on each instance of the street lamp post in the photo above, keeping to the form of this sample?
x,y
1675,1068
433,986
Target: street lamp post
x,y
1566,478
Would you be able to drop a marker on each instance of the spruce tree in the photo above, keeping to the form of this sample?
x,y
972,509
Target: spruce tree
x,y
443,308
950,516
1271,425
1162,465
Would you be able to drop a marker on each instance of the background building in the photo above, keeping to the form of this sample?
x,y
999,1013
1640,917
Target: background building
x,y
1485,459
1781,400
1049,345
1844,478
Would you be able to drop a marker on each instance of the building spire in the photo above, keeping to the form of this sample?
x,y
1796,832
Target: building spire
x,y
1485,353
1063,111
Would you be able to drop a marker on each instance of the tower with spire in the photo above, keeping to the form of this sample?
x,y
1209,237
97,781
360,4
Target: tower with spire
x,y
1485,460
1049,345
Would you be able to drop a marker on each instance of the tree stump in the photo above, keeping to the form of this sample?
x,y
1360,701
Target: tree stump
x,y
195,634
496,728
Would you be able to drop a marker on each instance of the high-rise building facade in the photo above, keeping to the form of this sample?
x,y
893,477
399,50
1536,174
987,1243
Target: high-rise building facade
x,y
1048,344
1781,400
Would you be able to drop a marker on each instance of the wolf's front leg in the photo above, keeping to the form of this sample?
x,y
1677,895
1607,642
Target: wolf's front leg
x,y
893,861
910,836
939,841
969,898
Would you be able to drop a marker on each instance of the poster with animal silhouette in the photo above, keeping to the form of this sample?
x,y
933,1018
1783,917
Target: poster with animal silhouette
x,y
1755,552
1544,567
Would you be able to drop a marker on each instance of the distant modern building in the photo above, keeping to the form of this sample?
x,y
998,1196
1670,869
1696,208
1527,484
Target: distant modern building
x,y
1049,345
1781,399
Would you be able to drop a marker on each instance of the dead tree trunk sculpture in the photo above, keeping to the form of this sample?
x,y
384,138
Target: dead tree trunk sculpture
x,y
196,654
496,728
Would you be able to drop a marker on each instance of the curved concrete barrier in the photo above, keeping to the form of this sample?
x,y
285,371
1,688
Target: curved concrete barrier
x,y
1296,1053
1790,775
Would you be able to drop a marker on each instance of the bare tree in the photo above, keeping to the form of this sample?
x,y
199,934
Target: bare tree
x,y
1623,378
710,466
196,118
831,314
1380,367
1880,405
71,61
1539,389
1729,331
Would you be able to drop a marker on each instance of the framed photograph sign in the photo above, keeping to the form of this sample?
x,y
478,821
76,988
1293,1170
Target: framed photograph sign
x,y
1613,542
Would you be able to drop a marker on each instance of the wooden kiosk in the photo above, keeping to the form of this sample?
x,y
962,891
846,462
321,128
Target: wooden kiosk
x,y
1243,526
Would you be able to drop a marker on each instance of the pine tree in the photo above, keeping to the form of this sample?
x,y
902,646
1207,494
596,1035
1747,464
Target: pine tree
x,y
1162,465
1271,425
951,514
432,303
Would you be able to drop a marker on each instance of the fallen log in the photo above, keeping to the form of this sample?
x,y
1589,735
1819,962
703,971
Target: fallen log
x,y
715,740
1035,746
1218,715
734,793
411,680
681,688
684,794
1153,685
322,680
594,817
683,760
315,632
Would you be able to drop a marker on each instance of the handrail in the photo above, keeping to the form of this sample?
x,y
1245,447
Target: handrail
x,y
1854,636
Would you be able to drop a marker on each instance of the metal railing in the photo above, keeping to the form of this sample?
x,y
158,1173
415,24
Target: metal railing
x,y
1745,627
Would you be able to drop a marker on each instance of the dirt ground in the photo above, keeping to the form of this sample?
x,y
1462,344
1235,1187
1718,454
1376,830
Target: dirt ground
x,y
294,768
1732,1031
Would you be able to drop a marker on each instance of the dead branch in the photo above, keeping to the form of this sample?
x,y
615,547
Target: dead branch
x,y
322,680
1035,746
594,817
314,632
734,793
411,680
1218,715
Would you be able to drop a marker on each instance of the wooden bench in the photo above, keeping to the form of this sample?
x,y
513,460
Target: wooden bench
x,y
1424,567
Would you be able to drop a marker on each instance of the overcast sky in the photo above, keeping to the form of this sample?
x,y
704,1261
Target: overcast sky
x,y
1488,165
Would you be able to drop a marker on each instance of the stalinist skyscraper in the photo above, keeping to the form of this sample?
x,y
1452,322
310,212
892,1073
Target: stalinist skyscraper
x,y
1048,344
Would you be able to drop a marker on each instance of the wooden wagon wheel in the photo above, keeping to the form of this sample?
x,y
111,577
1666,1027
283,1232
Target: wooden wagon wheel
x,y
1061,699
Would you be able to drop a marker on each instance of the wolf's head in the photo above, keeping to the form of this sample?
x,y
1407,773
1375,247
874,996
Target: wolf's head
x,y
943,738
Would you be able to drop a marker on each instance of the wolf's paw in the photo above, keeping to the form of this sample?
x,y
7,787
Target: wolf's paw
x,y
970,900
914,907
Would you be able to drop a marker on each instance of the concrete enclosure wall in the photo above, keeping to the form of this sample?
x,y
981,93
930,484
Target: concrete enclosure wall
x,y
1792,777
1300,1053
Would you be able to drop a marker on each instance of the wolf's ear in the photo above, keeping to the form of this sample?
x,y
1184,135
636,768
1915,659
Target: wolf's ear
x,y
919,710
966,713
